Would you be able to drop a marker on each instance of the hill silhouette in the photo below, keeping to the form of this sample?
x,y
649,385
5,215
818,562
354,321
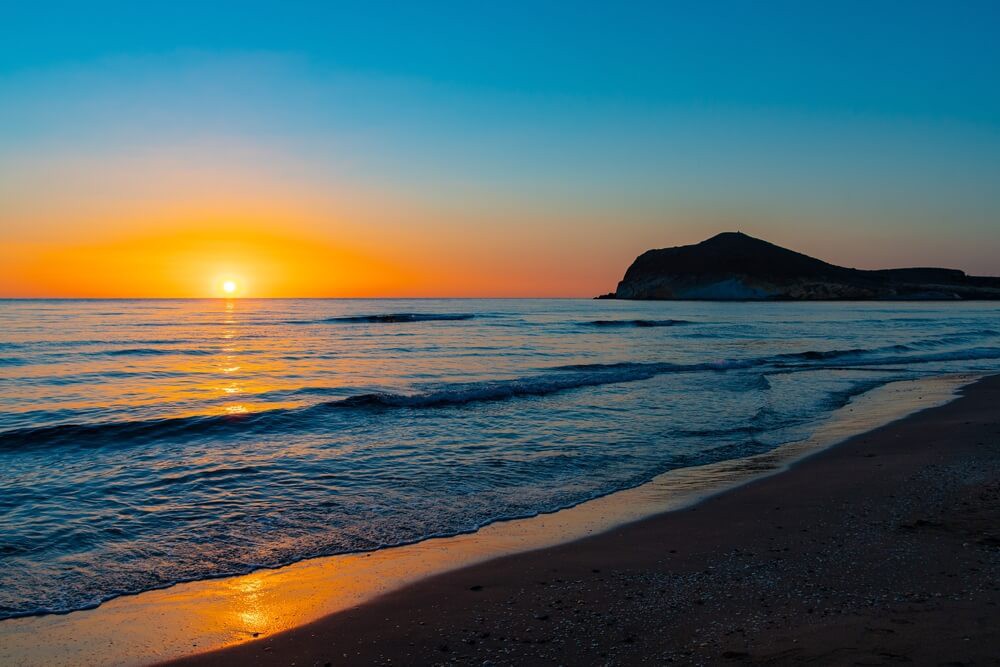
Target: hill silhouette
x,y
735,266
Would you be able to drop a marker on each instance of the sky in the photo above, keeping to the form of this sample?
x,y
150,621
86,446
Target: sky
x,y
484,149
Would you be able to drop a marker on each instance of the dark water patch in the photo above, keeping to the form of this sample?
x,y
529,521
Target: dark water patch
x,y
49,356
152,351
69,344
640,368
968,354
477,392
213,475
106,375
388,318
293,392
897,353
635,323
722,432
961,338
105,434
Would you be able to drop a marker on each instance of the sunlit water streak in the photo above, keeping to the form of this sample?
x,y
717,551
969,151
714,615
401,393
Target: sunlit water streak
x,y
148,442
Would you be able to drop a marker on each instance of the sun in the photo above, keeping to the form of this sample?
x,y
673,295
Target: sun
x,y
229,286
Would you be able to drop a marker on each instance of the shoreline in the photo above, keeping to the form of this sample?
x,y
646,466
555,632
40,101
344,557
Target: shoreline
x,y
885,548
215,614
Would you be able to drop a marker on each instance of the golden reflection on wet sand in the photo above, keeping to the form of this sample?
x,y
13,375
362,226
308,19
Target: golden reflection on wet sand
x,y
205,615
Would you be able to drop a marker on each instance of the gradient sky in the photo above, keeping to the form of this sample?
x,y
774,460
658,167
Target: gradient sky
x,y
463,149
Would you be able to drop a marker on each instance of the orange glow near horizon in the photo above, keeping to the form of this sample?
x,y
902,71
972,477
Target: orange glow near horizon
x,y
180,221
187,254
193,264
142,226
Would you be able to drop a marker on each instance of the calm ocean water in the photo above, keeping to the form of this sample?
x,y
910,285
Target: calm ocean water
x,y
148,442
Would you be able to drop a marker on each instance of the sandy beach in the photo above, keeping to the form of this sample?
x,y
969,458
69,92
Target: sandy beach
x,y
882,549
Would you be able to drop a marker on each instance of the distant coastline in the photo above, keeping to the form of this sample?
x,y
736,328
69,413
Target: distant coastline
x,y
735,267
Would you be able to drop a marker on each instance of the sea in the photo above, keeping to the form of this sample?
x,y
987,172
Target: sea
x,y
149,442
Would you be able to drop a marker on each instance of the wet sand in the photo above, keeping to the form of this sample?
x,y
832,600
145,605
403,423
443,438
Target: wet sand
x,y
883,549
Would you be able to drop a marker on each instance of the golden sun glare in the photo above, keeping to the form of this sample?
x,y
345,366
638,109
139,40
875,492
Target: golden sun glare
x,y
229,287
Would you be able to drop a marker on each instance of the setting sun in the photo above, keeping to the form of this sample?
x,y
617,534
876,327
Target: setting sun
x,y
229,287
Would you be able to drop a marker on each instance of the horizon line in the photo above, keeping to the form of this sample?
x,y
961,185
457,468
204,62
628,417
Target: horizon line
x,y
276,298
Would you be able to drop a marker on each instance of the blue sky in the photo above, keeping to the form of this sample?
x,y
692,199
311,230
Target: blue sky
x,y
867,132
933,60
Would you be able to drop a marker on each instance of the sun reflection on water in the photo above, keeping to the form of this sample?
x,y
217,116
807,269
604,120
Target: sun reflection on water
x,y
229,364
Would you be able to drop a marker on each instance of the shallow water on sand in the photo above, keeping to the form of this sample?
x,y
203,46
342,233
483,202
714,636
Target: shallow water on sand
x,y
148,442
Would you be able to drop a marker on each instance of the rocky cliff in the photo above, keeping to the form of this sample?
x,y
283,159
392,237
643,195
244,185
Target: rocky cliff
x,y
734,266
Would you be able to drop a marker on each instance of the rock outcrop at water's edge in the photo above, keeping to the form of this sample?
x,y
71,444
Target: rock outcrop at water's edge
x,y
735,267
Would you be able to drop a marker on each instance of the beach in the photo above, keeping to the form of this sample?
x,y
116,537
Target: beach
x,y
496,334
881,549
307,460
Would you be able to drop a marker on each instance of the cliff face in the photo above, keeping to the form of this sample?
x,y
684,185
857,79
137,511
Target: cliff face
x,y
734,266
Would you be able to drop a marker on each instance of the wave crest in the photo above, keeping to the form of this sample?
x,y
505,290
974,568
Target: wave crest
x,y
552,380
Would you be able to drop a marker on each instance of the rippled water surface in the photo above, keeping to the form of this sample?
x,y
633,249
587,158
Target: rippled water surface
x,y
148,442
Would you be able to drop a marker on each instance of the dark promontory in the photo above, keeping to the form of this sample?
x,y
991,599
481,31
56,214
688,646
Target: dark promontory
x,y
734,266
